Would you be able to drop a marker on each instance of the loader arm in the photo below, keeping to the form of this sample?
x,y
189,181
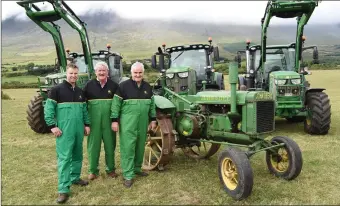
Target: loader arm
x,y
60,10
302,10
54,30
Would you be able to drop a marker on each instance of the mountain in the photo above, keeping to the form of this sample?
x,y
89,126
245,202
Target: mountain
x,y
24,41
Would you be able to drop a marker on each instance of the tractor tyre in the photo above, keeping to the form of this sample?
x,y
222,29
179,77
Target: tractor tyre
x,y
296,119
222,87
318,118
35,115
286,162
235,173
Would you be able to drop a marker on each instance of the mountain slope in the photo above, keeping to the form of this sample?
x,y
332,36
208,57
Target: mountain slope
x,y
23,41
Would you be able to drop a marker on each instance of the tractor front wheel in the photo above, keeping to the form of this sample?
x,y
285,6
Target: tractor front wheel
x,y
286,161
35,115
318,118
235,173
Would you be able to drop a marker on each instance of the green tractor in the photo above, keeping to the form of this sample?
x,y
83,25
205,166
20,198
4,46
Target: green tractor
x,y
279,70
86,61
200,57
200,122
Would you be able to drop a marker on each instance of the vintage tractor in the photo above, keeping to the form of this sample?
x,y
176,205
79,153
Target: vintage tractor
x,y
200,122
200,57
46,20
278,69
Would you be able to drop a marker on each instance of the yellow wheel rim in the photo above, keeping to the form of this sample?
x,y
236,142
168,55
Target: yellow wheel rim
x,y
281,162
229,173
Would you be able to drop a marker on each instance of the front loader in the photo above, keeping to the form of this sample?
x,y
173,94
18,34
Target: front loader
x,y
46,19
277,69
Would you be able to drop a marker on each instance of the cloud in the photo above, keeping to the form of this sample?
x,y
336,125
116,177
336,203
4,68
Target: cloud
x,y
235,12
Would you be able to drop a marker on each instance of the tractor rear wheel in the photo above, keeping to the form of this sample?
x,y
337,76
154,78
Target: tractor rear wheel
x,y
35,115
318,118
159,145
235,173
286,162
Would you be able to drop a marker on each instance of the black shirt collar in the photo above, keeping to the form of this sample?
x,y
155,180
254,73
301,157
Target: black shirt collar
x,y
68,84
135,83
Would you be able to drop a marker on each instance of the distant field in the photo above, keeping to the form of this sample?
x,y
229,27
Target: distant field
x,y
24,79
29,174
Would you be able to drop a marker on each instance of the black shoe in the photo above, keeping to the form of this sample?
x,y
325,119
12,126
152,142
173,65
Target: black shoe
x,y
80,182
62,198
143,174
127,183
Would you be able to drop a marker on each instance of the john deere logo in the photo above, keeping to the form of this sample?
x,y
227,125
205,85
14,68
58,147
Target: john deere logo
x,y
145,92
109,92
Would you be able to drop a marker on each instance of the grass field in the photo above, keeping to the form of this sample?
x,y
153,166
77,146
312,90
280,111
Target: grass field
x,y
29,174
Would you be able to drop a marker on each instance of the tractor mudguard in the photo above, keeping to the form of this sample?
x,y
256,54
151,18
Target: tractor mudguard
x,y
315,90
163,103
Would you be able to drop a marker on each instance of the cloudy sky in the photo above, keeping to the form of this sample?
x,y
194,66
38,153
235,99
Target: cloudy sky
x,y
241,12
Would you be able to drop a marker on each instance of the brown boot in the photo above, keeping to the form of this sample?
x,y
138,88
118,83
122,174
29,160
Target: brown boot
x,y
127,183
80,182
92,177
112,174
62,198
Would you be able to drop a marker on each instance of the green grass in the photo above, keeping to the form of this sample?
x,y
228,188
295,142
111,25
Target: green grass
x,y
29,174
24,79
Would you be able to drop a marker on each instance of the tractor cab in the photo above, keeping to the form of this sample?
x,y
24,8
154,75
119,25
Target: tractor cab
x,y
278,58
113,60
198,57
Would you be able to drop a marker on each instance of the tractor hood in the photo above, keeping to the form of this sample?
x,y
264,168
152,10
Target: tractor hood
x,y
172,70
224,97
284,75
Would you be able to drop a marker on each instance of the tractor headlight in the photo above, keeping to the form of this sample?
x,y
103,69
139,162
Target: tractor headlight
x,y
60,81
46,81
183,74
296,81
280,81
170,75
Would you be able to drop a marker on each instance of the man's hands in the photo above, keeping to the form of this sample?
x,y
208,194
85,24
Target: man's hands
x,y
87,130
56,131
115,126
152,125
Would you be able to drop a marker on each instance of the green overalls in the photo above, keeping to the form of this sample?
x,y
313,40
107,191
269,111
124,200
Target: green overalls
x,y
99,107
66,108
134,107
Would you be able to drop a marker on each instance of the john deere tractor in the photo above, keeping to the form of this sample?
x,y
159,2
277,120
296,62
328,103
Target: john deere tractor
x,y
85,61
278,69
199,122
200,57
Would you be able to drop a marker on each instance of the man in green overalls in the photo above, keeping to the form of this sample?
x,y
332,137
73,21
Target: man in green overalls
x,y
132,109
66,114
99,93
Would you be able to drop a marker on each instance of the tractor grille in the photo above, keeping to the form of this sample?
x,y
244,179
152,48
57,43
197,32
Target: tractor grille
x,y
177,84
265,116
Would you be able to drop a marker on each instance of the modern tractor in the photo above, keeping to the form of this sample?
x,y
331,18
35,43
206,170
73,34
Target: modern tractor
x,y
199,122
278,69
200,57
46,19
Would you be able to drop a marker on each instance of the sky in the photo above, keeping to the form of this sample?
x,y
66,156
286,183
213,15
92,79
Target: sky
x,y
235,12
